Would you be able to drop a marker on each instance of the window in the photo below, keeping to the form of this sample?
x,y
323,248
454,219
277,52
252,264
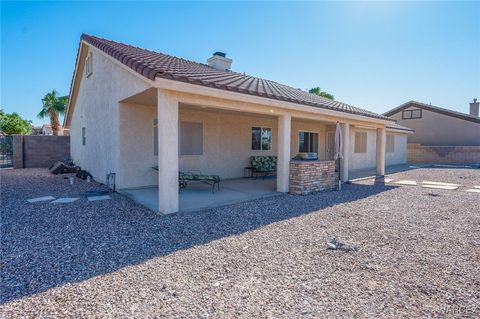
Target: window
x,y
89,65
360,142
390,143
84,139
155,137
307,142
412,114
261,138
191,138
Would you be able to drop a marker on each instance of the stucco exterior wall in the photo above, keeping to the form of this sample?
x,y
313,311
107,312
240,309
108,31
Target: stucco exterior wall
x,y
363,160
137,146
308,126
97,109
226,142
439,129
399,155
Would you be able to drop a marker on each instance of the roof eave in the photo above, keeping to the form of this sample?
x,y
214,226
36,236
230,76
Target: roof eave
x,y
163,82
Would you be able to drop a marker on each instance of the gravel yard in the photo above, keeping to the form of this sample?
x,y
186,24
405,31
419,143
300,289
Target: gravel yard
x,y
418,253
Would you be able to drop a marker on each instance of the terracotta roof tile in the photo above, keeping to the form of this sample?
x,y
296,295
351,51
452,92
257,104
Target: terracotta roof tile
x,y
396,126
151,64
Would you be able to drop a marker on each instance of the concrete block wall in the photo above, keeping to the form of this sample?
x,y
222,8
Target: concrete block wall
x,y
312,176
418,153
39,150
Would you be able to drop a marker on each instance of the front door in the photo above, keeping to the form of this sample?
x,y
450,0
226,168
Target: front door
x,y
330,145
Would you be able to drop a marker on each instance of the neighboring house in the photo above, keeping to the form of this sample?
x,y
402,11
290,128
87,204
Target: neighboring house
x,y
441,135
131,109
437,126
46,129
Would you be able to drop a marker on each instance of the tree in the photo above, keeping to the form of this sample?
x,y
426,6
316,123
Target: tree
x,y
319,92
53,105
14,124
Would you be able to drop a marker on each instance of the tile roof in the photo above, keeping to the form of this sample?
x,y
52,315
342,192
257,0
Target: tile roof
x,y
151,64
437,109
396,126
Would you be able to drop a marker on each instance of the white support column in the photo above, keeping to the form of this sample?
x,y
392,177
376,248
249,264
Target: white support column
x,y
167,114
381,148
283,162
344,162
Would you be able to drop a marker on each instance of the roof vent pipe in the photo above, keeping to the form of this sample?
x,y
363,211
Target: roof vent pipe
x,y
220,62
474,108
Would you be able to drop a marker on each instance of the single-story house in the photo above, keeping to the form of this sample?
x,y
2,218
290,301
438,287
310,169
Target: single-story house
x,y
132,109
440,135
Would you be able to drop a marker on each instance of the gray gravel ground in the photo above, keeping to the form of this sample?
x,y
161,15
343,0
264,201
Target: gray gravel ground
x,y
418,251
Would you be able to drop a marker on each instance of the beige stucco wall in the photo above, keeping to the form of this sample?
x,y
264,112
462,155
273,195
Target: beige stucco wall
x,y
439,129
308,126
363,160
228,138
137,146
226,142
97,109
399,155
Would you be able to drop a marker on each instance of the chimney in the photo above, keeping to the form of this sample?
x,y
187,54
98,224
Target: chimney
x,y
219,61
474,107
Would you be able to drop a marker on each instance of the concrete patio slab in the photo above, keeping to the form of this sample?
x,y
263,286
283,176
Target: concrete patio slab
x,y
440,187
198,196
40,199
407,182
473,190
65,200
440,183
95,198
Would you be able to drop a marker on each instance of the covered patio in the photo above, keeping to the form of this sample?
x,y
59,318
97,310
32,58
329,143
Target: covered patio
x,y
182,132
198,196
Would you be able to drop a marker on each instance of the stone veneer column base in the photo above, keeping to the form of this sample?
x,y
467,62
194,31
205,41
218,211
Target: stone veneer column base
x,y
312,176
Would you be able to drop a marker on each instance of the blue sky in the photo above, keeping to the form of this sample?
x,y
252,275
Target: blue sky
x,y
375,55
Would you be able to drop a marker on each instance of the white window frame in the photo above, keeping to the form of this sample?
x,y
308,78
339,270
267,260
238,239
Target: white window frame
x,y
262,127
310,132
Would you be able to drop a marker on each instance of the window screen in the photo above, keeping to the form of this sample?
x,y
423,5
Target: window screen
x,y
390,143
84,138
191,138
307,142
360,142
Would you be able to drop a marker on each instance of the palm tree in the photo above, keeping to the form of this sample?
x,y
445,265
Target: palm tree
x,y
53,105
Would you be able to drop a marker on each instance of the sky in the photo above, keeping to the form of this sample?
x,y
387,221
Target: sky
x,y
375,55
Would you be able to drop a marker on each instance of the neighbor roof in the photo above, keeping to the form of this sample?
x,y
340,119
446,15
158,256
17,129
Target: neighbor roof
x,y
396,126
429,107
151,65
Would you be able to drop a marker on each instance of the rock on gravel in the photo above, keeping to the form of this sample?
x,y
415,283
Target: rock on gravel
x,y
263,259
